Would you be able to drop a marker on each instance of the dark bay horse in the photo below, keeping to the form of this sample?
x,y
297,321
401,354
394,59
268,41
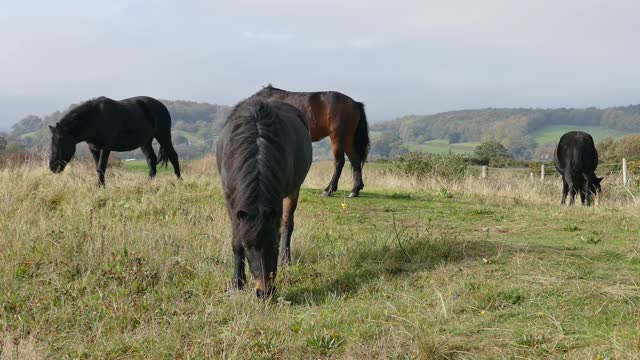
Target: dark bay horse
x,y
109,125
338,116
263,156
576,159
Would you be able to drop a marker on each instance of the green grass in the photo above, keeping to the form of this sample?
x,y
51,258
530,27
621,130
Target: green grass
x,y
442,146
552,133
141,166
141,269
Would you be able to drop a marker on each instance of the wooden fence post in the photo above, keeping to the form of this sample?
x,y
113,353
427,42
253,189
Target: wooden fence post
x,y
484,171
625,172
542,173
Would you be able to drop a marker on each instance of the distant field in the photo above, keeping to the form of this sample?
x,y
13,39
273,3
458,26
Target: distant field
x,y
442,146
552,133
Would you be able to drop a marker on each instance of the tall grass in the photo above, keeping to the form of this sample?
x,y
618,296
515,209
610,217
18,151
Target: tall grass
x,y
415,268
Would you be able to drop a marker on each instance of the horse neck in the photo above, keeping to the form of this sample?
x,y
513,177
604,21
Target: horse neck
x,y
80,129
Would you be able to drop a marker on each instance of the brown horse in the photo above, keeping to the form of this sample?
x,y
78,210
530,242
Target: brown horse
x,y
263,156
338,116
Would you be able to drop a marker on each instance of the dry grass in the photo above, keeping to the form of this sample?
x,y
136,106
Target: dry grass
x,y
412,269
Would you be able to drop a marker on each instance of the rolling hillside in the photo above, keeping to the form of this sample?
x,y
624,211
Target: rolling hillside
x,y
527,133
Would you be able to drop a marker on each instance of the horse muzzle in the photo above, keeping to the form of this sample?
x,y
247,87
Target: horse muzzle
x,y
265,288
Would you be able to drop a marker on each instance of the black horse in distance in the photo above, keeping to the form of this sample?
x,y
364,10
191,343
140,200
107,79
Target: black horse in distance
x,y
576,158
108,125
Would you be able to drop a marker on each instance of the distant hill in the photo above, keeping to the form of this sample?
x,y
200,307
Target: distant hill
x,y
525,132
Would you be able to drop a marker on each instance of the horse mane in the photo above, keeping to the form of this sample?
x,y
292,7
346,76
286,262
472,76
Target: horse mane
x,y
268,89
76,116
257,162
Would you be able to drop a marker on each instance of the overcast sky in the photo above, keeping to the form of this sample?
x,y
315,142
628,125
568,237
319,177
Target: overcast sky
x,y
399,57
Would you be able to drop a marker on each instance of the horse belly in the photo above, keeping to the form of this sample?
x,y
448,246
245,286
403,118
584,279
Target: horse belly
x,y
132,140
318,133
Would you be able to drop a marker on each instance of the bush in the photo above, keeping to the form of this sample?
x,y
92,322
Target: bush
x,y
490,151
627,147
446,166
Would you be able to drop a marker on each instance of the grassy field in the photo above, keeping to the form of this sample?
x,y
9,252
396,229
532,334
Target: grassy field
x,y
411,270
551,134
442,146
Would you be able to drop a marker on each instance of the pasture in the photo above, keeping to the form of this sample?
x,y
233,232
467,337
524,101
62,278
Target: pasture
x,y
410,270
551,133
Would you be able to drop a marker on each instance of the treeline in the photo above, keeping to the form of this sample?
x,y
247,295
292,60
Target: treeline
x,y
196,126
510,127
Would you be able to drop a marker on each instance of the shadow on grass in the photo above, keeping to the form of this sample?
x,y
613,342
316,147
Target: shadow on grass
x,y
369,265
367,195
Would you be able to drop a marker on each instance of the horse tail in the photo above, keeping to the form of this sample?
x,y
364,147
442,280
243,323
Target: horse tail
x,y
163,157
361,140
159,124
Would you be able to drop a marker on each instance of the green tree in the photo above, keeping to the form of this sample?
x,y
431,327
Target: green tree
x,y
627,147
3,144
521,147
455,137
490,151
387,145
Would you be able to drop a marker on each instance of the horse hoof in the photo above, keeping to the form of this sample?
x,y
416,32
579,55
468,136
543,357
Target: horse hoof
x,y
352,195
326,193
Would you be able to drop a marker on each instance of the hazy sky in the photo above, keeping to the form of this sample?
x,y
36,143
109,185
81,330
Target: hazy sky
x,y
399,57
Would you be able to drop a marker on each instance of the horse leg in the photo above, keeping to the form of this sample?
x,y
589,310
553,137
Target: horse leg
x,y
167,146
102,165
356,167
572,197
289,205
565,192
95,152
338,155
587,192
584,197
150,156
239,277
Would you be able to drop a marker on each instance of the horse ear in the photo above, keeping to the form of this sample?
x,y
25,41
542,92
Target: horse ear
x,y
52,128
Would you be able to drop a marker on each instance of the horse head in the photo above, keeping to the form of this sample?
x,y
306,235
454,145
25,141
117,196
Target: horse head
x,y
63,147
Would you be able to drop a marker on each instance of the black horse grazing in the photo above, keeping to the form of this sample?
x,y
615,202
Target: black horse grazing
x,y
263,156
576,158
108,125
338,116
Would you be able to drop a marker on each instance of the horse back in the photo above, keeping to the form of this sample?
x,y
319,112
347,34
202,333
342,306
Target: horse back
x,y
285,147
152,110
294,127
576,154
